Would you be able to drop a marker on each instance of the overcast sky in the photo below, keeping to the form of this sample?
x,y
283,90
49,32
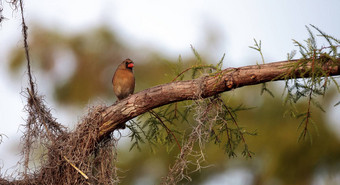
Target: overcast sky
x,y
168,26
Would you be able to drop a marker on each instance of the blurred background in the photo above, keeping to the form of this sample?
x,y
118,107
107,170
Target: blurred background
x,y
75,47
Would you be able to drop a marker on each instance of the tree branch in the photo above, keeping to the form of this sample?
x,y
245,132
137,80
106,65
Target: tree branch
x,y
203,87
84,141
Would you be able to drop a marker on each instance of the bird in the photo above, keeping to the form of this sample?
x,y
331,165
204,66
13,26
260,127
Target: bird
x,y
123,80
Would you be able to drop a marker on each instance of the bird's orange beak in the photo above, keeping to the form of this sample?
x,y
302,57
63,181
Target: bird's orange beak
x,y
130,65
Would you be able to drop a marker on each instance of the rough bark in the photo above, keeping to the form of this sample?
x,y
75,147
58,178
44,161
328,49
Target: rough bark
x,y
203,87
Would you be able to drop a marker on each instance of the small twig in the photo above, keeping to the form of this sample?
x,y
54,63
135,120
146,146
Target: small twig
x,y
166,128
25,35
234,120
327,47
180,74
308,114
78,170
175,110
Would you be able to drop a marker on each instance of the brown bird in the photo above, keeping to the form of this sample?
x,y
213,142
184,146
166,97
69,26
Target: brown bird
x,y
123,80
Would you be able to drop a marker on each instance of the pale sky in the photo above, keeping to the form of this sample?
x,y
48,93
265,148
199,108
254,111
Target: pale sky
x,y
168,26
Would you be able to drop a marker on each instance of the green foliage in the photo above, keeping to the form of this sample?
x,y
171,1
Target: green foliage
x,y
217,122
265,89
257,47
307,88
158,128
315,86
136,135
291,55
226,131
199,68
312,87
161,126
167,125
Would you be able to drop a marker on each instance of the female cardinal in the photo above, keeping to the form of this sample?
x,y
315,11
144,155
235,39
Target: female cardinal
x,y
123,80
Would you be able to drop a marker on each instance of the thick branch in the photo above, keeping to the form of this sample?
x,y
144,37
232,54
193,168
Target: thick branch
x,y
203,87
